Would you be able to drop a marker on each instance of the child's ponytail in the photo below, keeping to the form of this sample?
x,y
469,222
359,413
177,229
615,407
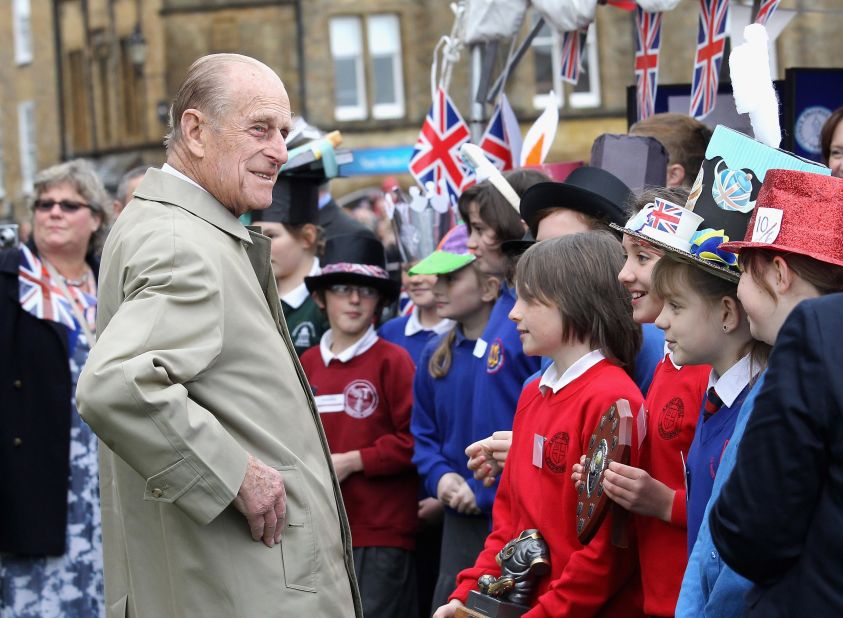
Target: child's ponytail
x,y
440,360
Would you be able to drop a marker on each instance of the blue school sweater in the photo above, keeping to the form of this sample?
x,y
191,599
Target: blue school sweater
x,y
710,440
394,331
710,587
649,356
441,419
499,377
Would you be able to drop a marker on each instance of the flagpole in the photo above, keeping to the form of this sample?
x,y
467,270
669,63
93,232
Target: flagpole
x,y
477,117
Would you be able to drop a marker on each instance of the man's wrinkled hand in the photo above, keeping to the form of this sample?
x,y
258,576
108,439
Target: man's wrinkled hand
x,y
263,501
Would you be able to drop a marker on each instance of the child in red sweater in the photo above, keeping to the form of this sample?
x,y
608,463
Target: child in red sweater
x,y
571,308
363,387
653,486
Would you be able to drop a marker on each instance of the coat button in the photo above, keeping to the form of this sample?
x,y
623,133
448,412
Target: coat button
x,y
157,493
17,384
17,441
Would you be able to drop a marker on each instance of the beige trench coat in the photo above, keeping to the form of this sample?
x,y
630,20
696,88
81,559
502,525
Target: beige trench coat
x,y
193,370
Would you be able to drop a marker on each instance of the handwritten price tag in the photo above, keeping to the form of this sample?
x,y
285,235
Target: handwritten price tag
x,y
768,224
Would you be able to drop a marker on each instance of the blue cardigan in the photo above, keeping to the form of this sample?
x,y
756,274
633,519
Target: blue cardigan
x,y
441,420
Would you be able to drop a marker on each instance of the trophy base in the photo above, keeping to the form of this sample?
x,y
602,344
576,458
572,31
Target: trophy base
x,y
481,606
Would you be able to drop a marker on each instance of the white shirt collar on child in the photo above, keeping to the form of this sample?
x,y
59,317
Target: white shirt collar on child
x,y
551,380
296,297
363,344
730,384
414,325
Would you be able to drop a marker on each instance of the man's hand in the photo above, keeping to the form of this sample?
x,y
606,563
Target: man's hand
x,y
346,464
448,611
263,500
448,486
463,500
637,491
487,457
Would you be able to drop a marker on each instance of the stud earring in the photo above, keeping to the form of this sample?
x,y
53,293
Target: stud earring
x,y
725,328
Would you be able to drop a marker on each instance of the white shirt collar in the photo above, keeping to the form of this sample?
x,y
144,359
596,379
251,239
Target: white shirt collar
x,y
174,172
551,380
669,355
295,297
730,384
414,325
362,345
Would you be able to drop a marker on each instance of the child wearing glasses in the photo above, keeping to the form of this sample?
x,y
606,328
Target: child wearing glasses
x,y
363,387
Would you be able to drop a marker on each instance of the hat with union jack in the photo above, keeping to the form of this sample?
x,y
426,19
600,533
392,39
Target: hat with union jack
x,y
676,230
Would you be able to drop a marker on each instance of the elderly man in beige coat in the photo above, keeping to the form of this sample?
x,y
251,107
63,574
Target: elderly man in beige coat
x,y
219,498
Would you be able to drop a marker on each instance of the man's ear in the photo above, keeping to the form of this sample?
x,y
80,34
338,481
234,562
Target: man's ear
x,y
675,175
489,289
194,128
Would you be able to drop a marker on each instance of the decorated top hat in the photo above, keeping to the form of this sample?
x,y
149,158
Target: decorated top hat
x,y
355,259
676,230
730,178
589,190
797,212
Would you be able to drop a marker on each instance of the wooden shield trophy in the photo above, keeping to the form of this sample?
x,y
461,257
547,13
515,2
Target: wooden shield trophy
x,y
610,441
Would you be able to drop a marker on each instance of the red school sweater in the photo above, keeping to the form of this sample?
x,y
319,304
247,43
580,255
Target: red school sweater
x,y
593,580
673,406
371,413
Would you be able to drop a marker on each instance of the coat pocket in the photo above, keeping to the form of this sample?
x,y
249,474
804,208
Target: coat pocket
x,y
298,543
120,609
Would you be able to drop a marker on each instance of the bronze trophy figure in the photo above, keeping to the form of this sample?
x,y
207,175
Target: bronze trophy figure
x,y
523,561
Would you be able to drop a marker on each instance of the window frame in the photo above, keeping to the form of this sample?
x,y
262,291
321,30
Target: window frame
x,y
22,31
358,111
385,111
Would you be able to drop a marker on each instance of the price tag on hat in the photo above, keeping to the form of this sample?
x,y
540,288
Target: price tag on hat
x,y
768,224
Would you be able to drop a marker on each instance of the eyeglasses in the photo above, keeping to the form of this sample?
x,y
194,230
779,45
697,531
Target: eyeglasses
x,y
364,291
67,206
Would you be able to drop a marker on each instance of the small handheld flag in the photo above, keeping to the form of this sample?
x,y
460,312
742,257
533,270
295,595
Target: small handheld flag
x,y
437,153
573,44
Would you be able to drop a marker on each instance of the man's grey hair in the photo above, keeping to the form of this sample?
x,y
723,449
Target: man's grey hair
x,y
205,89
126,179
81,175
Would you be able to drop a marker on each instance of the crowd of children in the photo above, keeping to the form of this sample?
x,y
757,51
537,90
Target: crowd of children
x,y
483,396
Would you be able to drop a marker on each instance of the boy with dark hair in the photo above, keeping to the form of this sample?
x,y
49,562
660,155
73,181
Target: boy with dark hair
x,y
363,389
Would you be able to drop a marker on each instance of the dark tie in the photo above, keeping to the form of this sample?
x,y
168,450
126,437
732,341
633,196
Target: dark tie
x,y
712,404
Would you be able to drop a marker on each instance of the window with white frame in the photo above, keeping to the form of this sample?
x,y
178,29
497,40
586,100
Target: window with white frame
x,y
22,28
28,145
349,80
368,79
384,37
547,68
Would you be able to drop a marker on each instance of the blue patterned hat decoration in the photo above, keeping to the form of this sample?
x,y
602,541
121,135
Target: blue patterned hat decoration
x,y
706,245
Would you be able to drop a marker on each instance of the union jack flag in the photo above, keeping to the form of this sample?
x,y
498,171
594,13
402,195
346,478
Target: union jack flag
x,y
41,297
711,40
573,44
765,11
648,34
437,152
495,142
665,217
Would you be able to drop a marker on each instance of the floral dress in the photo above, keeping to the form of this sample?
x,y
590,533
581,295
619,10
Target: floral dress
x,y
71,585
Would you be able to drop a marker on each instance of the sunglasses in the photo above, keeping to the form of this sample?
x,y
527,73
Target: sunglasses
x,y
67,206
364,291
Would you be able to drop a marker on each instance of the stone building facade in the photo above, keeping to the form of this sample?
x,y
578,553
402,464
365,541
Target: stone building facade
x,y
73,83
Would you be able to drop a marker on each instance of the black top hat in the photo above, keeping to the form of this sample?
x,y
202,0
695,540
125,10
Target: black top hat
x,y
356,259
514,248
295,201
589,190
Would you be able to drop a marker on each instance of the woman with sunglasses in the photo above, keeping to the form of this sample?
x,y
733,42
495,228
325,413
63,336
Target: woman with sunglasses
x,y
50,538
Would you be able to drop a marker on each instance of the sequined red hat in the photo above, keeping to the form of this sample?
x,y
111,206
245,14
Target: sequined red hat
x,y
797,212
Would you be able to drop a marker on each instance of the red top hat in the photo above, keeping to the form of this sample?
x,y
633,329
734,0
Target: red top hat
x,y
797,212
